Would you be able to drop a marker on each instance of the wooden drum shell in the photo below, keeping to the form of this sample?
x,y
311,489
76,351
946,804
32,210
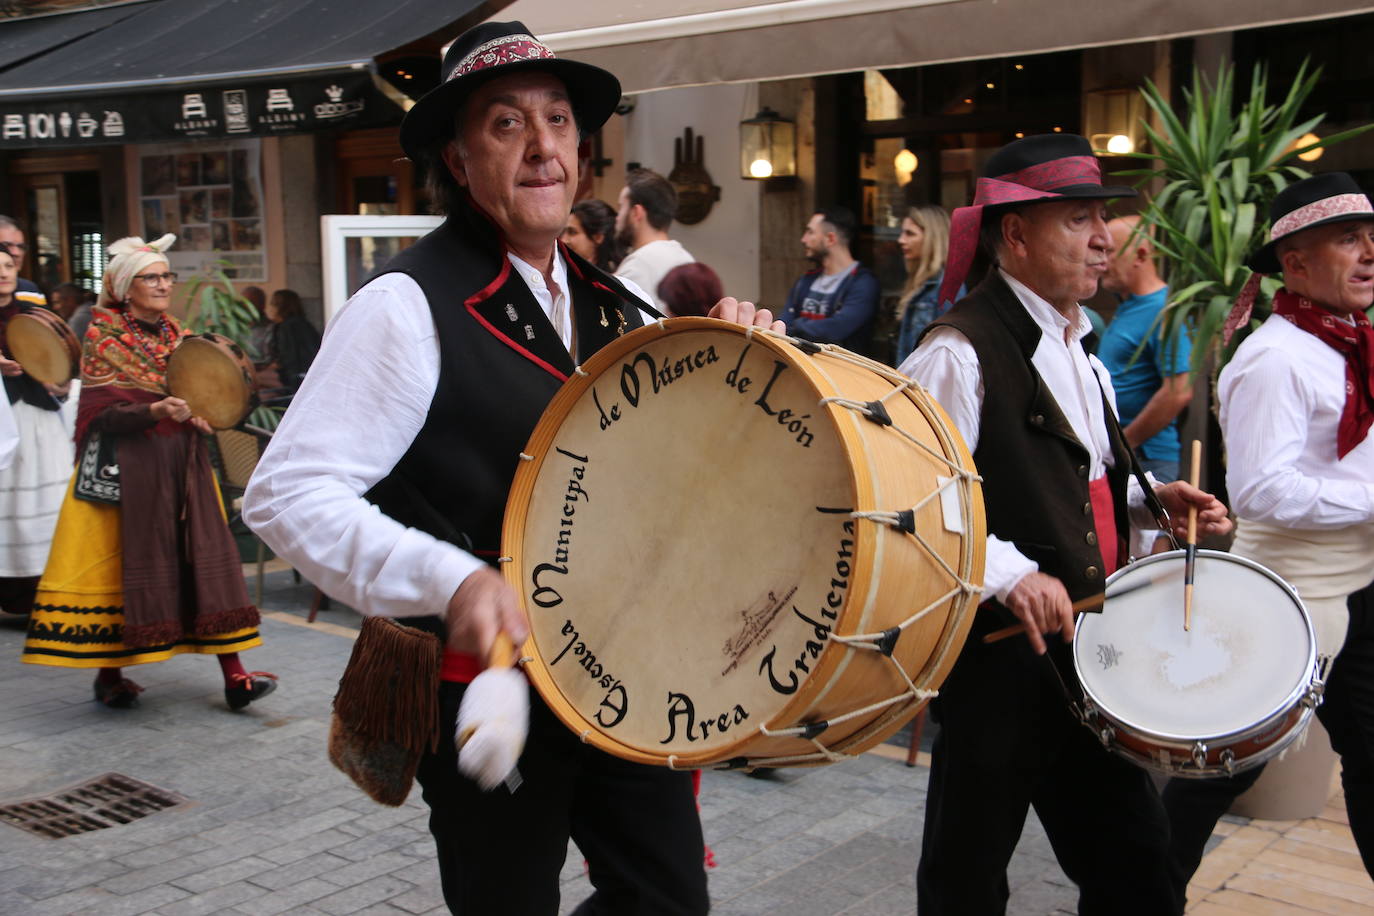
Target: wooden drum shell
x,y
891,576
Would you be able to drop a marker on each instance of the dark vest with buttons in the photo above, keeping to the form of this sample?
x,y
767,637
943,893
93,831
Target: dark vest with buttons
x,y
1034,469
500,363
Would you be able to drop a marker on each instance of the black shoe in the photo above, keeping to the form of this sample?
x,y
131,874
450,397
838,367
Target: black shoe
x,y
245,688
122,694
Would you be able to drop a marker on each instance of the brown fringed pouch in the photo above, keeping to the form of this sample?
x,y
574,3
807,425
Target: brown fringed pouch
x,y
386,713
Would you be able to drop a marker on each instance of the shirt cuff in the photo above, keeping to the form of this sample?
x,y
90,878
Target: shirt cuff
x,y
451,569
1005,568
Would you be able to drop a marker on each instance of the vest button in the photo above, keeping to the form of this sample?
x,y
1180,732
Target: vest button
x,y
1083,471
1088,508
1090,538
1090,572
1038,419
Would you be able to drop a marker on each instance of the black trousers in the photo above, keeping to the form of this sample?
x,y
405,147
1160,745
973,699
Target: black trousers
x,y
1347,712
1007,742
501,852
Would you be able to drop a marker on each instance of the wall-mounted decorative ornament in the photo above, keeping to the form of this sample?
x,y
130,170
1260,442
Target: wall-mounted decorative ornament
x,y
695,192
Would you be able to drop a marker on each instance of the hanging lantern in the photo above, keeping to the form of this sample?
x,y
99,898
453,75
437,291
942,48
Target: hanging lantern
x,y
767,146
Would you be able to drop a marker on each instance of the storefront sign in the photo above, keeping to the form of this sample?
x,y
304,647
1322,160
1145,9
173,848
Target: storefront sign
x,y
287,105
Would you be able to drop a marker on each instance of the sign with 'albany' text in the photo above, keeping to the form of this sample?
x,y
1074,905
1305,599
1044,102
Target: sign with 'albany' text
x,y
288,104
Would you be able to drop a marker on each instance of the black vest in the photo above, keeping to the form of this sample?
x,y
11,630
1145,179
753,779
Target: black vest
x,y
1034,469
500,363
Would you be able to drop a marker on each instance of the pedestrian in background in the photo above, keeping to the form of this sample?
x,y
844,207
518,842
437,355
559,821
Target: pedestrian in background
x,y
1149,370
590,233
294,341
690,289
925,245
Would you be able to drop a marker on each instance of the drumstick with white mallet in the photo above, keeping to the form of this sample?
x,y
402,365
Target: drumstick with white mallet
x,y
494,719
1190,554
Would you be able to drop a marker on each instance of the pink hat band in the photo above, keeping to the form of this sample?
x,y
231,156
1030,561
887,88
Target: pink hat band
x,y
1320,210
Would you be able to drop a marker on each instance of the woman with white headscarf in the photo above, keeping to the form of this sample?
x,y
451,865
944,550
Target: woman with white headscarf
x,y
120,587
39,469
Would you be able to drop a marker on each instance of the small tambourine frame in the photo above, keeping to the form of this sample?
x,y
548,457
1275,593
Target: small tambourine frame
x,y
740,549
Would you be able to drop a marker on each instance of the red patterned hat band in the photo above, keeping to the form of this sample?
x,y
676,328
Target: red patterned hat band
x,y
507,49
1042,181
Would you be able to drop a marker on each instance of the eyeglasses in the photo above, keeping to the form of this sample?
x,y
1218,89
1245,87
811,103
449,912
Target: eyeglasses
x,y
155,279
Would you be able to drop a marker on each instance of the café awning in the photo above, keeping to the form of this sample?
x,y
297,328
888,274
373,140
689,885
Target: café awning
x,y
657,44
158,70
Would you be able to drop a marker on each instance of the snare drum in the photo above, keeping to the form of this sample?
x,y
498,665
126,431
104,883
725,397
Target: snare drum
x,y
214,377
44,345
733,551
1224,696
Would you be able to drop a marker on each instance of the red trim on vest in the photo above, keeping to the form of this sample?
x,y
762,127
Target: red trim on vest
x,y
1104,520
459,667
486,293
563,249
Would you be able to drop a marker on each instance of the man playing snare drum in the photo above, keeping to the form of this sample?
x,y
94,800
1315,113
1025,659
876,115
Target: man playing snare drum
x,y
1297,403
423,395
1006,363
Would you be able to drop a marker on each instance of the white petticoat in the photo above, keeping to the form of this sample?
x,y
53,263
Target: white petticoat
x,y
31,490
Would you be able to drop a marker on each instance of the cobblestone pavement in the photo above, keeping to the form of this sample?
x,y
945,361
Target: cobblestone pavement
x,y
272,828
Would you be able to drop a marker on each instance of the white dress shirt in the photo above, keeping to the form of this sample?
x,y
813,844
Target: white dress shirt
x,y
947,366
1281,397
647,265
9,433
362,403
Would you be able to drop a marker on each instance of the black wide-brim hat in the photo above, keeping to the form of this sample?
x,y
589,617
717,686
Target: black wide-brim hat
x,y
1041,155
1306,204
493,49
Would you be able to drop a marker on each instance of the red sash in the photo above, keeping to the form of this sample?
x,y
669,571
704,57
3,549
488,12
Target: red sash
x,y
1104,519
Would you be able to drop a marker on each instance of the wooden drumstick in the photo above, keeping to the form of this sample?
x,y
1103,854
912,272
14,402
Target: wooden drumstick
x,y
1190,554
1082,604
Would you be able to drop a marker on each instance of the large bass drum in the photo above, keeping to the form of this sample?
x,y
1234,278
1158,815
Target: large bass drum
x,y
1225,695
736,549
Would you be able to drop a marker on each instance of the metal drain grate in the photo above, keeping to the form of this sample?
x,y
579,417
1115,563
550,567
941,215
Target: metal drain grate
x,y
106,801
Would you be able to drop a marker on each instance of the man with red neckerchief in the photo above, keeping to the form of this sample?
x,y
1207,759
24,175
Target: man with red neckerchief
x,y
1008,365
1297,403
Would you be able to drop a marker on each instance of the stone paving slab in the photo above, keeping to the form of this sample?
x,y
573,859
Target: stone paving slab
x,y
272,828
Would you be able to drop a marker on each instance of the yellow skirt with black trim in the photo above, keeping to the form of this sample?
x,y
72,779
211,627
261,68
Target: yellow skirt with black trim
x,y
78,617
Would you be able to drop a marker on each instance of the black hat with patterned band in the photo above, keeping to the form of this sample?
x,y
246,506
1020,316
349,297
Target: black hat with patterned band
x,y
494,49
1316,201
1304,204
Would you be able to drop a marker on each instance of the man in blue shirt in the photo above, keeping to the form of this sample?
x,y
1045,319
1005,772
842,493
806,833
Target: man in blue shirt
x,y
837,303
1151,382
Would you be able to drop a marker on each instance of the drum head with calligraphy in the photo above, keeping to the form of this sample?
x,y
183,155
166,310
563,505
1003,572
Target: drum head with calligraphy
x,y
681,538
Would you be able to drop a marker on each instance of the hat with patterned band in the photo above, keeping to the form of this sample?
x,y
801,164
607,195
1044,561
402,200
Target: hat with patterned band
x,y
494,49
1303,205
1039,169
